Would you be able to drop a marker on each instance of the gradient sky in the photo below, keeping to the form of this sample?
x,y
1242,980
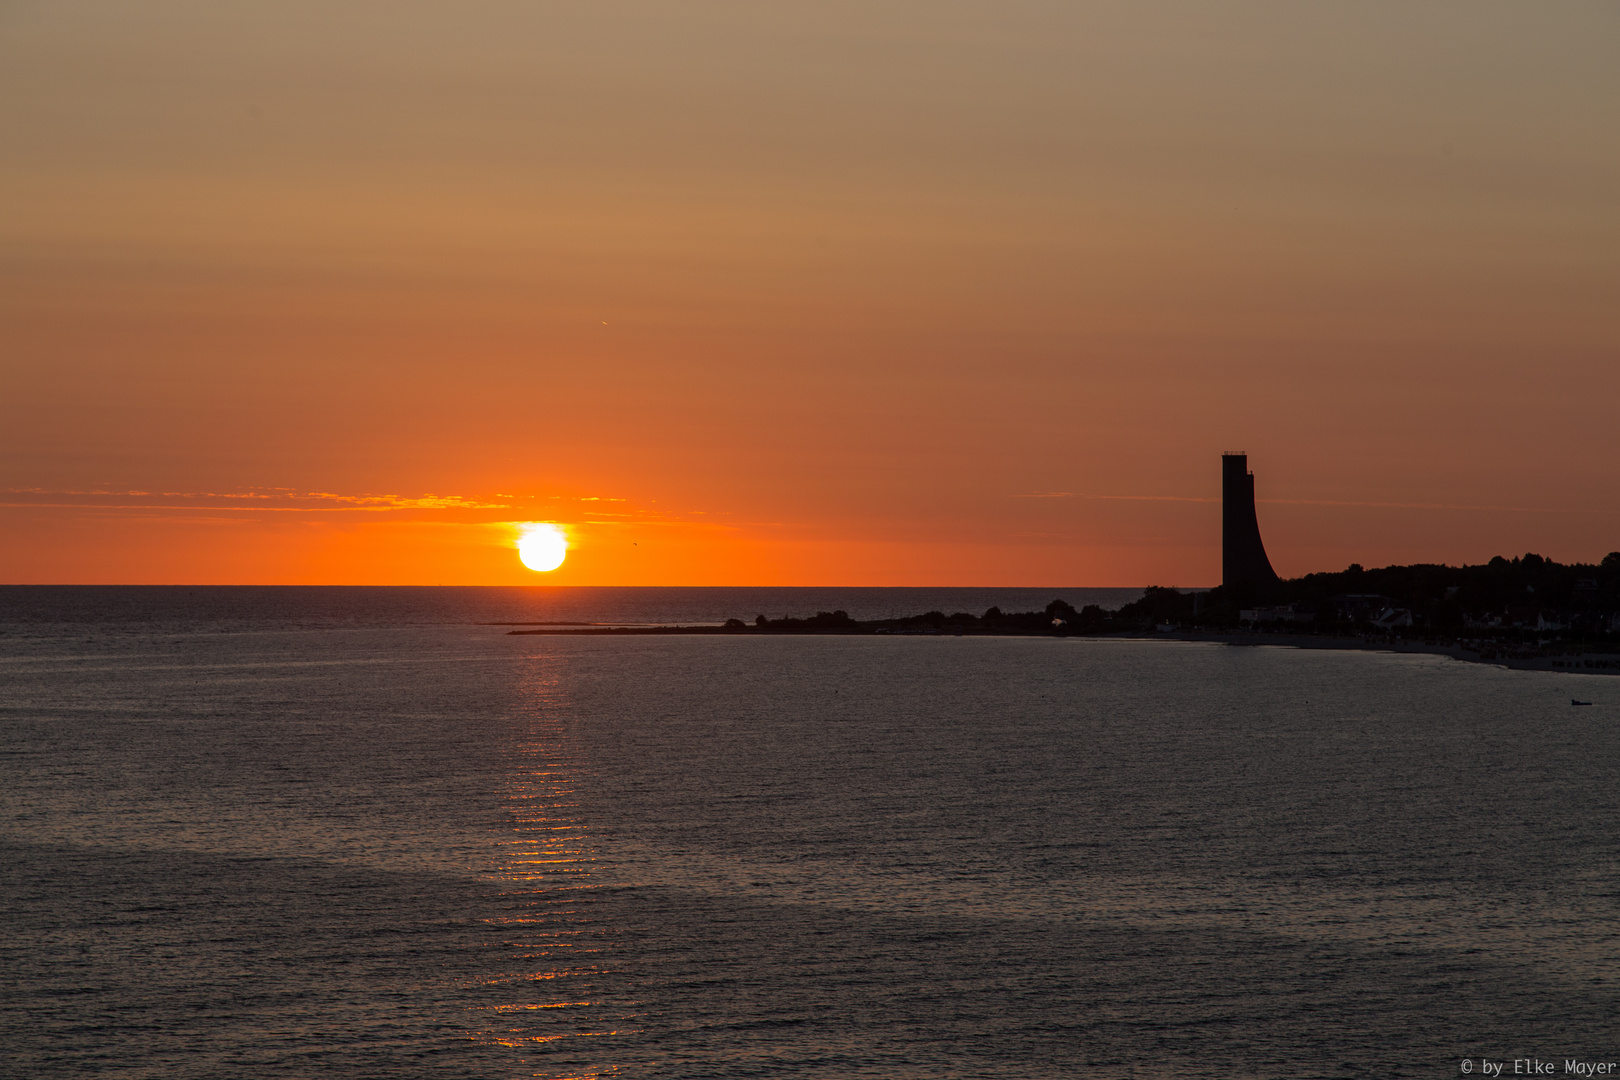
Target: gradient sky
x,y
802,293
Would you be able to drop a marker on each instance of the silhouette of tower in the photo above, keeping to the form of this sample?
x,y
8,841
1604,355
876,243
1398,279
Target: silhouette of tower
x,y
1243,556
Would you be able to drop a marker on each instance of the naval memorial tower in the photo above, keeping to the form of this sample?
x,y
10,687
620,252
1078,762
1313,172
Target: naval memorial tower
x,y
1244,565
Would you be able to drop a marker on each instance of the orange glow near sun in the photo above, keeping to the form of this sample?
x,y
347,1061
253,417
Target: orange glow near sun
x,y
542,547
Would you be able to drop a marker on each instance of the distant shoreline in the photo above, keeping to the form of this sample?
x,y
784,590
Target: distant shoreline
x,y
1571,663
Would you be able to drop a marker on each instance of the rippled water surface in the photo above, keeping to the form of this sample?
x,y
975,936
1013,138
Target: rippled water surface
x,y
297,846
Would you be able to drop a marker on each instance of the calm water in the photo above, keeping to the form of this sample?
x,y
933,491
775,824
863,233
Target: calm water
x,y
283,833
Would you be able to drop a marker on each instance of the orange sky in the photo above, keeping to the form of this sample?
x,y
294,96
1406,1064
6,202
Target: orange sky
x,y
905,293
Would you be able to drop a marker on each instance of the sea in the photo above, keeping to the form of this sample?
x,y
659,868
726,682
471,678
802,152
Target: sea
x,y
334,832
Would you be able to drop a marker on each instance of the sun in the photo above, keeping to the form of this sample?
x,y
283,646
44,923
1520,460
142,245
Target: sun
x,y
542,547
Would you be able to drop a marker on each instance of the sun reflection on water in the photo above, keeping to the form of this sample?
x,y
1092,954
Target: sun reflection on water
x,y
543,857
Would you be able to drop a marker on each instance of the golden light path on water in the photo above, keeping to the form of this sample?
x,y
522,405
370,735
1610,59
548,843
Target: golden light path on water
x,y
543,860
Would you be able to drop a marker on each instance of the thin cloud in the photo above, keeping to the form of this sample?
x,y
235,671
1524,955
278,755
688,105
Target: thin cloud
x,y
1318,502
282,499
1429,506
1112,498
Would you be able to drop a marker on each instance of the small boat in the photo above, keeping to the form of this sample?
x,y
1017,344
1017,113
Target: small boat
x,y
1572,701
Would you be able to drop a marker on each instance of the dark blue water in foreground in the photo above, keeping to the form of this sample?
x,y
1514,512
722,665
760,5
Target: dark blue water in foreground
x,y
290,835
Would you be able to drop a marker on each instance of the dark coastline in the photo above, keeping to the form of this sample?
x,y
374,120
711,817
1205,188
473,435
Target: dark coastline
x,y
1527,613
